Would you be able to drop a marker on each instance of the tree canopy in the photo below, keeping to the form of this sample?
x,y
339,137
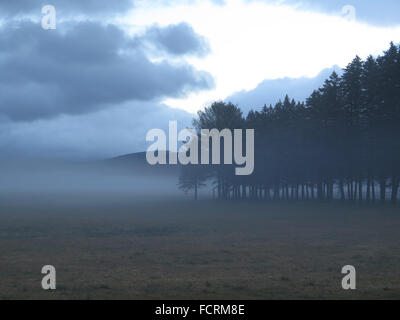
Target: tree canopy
x,y
343,142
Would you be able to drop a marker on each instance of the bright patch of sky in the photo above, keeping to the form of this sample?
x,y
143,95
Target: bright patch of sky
x,y
256,40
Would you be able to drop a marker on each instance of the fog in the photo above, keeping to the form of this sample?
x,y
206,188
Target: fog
x,y
89,178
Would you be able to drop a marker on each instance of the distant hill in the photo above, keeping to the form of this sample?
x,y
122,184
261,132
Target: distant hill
x,y
128,174
136,162
133,159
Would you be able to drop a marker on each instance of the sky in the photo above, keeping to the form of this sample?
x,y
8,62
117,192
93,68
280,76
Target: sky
x,y
111,71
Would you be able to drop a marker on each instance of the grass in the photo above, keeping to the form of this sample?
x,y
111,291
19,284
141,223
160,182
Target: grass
x,y
119,248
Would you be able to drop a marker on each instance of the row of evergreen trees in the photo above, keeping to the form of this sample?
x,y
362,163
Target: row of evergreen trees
x,y
343,142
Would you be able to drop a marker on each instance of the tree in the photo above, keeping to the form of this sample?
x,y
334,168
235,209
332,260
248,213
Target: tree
x,y
192,177
220,116
339,143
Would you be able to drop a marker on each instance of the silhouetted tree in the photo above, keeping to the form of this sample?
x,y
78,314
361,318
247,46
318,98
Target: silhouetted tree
x,y
342,143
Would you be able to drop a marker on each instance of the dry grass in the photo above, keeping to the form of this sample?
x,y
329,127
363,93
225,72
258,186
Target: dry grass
x,y
117,248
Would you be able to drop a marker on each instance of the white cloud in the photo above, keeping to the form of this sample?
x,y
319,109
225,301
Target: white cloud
x,y
253,41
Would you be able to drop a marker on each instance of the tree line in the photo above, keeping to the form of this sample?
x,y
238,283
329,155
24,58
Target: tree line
x,y
343,142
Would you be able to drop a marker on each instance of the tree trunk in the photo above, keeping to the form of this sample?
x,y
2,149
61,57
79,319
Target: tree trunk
x,y
331,184
320,191
349,195
382,183
342,194
355,190
395,189
276,192
373,188
219,188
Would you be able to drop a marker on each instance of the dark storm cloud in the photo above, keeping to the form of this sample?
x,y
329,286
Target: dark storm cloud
x,y
179,39
90,7
102,134
86,67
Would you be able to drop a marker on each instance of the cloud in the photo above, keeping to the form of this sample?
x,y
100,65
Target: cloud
x,y
83,68
92,8
271,91
104,134
88,7
178,39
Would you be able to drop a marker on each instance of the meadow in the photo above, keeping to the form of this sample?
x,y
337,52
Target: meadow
x,y
119,247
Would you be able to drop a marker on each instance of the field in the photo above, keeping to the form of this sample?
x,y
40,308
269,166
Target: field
x,y
123,248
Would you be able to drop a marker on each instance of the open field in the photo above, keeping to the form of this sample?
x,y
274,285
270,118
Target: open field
x,y
118,248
